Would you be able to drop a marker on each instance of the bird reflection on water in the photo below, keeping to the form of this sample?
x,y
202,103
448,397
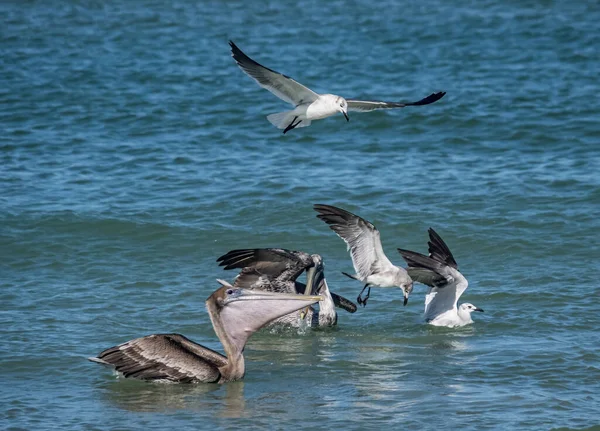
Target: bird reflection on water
x,y
227,401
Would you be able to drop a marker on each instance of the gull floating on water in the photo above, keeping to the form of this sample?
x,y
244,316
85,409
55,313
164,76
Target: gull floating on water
x,y
235,315
309,105
446,284
370,262
276,270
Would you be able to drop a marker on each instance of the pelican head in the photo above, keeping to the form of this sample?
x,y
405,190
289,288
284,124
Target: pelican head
x,y
241,312
247,302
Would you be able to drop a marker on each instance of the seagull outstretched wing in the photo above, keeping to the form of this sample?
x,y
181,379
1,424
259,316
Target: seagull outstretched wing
x,y
280,85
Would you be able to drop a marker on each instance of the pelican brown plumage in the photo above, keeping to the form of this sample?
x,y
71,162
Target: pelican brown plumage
x,y
277,270
235,315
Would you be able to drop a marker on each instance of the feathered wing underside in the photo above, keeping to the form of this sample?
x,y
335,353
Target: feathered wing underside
x,y
280,85
272,263
166,357
439,251
251,278
372,105
439,300
361,237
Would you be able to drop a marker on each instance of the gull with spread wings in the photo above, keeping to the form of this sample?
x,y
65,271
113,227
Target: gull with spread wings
x,y
370,262
446,284
308,105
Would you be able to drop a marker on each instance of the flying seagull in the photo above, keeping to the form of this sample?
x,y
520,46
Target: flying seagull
x,y
446,284
235,314
370,262
276,270
308,105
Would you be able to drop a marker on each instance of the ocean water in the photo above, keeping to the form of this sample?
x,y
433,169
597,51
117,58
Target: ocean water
x,y
134,152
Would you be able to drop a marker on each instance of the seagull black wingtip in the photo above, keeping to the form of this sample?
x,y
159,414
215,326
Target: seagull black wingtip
x,y
432,98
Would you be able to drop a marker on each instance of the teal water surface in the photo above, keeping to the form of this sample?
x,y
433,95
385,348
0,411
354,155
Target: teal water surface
x,y
134,152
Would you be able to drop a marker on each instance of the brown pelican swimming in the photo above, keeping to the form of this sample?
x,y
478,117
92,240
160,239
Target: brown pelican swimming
x,y
276,270
235,315
308,105
370,262
446,284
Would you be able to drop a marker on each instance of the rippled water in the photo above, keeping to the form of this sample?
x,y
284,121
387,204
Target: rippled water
x,y
134,152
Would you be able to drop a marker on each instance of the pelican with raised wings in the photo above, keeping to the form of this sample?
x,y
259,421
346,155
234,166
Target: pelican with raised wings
x,y
364,242
308,105
235,315
277,270
446,284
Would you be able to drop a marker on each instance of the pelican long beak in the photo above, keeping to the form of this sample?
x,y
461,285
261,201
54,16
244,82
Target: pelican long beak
x,y
243,312
249,295
311,275
478,309
346,115
310,280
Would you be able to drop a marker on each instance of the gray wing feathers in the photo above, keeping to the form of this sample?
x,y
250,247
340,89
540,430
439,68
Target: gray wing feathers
x,y
274,263
170,357
361,237
372,105
280,85
252,278
439,251
425,269
426,276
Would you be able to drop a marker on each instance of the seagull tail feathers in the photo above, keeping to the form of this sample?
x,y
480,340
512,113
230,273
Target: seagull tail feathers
x,y
282,120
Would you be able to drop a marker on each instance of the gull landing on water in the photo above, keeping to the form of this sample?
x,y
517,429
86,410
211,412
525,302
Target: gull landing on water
x,y
446,284
309,105
370,262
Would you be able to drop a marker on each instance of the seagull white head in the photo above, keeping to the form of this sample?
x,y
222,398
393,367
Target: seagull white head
x,y
465,310
342,106
406,290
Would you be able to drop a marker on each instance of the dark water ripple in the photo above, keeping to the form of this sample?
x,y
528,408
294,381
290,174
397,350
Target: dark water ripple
x,y
133,152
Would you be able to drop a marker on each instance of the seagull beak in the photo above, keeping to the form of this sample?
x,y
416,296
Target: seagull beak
x,y
405,298
478,309
346,115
